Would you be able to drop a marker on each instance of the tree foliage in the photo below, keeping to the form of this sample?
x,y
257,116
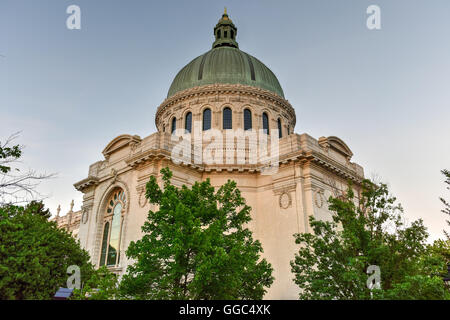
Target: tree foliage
x,y
8,154
446,209
35,254
102,285
196,246
332,261
427,284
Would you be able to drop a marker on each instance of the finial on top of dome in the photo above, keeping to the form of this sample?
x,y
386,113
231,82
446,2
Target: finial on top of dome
x,y
225,15
225,32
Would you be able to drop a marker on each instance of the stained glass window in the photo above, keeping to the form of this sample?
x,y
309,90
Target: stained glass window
x,y
113,248
247,119
110,253
207,119
227,119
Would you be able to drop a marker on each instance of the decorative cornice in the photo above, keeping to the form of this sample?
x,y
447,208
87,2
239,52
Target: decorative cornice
x,y
120,142
85,183
336,144
336,167
298,156
142,157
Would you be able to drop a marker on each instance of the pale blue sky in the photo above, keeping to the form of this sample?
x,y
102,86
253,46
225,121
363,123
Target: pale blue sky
x,y
386,92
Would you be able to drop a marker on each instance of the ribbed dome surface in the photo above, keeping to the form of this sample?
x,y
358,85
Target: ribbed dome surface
x,y
227,65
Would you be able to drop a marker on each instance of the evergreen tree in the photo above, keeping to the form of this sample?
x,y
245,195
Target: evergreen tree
x,y
35,253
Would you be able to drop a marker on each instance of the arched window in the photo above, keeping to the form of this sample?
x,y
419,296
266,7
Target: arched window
x,y
104,244
247,119
188,122
219,34
225,34
227,119
232,34
110,254
206,119
265,120
280,132
289,130
174,125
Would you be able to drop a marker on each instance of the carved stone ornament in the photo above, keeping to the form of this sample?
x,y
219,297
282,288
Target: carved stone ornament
x,y
319,198
85,216
285,200
142,200
114,175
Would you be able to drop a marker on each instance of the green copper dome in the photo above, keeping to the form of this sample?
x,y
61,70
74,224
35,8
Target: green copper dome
x,y
226,64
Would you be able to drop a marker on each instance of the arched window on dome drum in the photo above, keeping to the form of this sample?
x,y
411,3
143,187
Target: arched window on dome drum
x,y
219,34
206,119
225,34
247,119
280,132
188,122
110,254
174,125
232,34
265,120
227,119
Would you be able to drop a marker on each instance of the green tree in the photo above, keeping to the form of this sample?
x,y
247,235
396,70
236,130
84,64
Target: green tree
x,y
332,261
102,285
426,284
196,246
35,253
446,209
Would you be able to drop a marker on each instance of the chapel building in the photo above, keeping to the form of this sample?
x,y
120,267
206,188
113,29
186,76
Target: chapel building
x,y
223,91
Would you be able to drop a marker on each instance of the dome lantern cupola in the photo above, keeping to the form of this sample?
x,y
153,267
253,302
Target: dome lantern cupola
x,y
225,32
225,63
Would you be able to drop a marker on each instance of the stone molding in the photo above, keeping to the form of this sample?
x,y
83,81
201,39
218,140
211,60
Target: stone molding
x,y
86,183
